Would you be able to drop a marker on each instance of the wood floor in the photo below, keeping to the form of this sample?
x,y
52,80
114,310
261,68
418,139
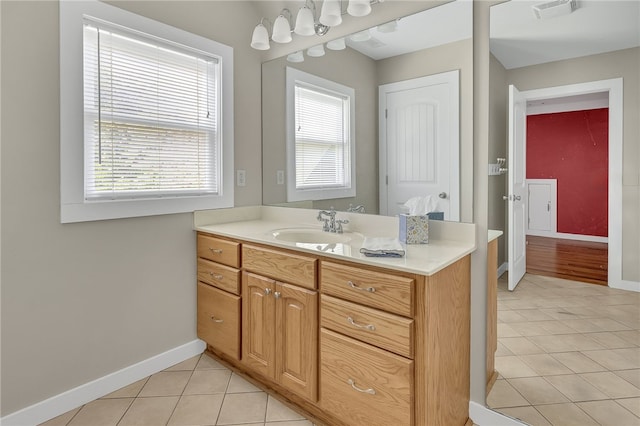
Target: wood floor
x,y
583,261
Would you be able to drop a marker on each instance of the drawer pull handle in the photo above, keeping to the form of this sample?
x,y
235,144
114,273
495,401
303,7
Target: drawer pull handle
x,y
355,287
214,319
215,250
216,276
370,391
370,327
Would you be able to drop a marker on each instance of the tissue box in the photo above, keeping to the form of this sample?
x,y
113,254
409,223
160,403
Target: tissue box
x,y
414,229
436,215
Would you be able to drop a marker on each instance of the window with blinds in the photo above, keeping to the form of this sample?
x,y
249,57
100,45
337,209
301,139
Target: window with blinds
x,y
321,138
151,117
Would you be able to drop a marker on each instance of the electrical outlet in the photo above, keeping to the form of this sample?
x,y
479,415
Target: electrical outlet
x,y
241,177
280,177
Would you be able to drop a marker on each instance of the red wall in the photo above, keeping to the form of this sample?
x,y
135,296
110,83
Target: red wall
x,y
573,147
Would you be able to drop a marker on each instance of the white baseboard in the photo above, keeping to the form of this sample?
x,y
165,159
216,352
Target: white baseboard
x,y
626,285
502,269
565,236
483,416
73,398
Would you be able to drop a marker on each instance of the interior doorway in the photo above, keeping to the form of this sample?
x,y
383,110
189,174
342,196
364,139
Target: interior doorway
x,y
613,90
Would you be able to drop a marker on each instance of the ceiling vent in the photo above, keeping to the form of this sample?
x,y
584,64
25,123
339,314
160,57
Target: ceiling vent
x,y
554,8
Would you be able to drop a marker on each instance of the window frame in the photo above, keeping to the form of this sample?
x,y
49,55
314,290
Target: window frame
x,y
294,76
73,206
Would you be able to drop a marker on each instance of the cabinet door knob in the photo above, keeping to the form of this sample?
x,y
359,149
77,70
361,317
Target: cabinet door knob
x,y
355,287
276,295
370,391
370,327
267,291
214,319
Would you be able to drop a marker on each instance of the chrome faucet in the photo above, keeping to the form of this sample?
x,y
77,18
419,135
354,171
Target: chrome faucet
x,y
330,223
357,209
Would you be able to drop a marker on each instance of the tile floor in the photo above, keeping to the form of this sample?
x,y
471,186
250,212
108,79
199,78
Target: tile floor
x,y
196,392
568,353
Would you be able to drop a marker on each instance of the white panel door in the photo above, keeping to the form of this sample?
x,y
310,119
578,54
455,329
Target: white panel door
x,y
420,136
516,177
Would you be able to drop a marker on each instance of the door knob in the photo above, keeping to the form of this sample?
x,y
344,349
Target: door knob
x,y
516,197
442,195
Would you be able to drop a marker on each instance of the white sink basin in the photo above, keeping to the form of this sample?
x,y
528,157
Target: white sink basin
x,y
312,236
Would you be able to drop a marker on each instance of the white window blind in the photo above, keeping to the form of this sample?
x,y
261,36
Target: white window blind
x,y
152,117
322,138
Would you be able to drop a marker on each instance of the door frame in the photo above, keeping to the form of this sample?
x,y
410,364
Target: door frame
x,y
614,87
454,149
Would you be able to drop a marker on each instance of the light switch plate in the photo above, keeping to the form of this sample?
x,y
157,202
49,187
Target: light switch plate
x,y
280,177
494,169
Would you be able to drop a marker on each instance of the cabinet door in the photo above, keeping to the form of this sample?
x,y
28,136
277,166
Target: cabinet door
x,y
297,339
219,319
258,322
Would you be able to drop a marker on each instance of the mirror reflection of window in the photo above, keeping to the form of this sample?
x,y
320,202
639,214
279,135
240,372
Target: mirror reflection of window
x,y
320,138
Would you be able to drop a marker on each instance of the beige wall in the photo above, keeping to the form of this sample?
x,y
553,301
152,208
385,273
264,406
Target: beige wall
x,y
498,100
453,56
82,300
623,63
347,67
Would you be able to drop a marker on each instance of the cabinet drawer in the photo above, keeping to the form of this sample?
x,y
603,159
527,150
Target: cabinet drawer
x,y
282,266
378,328
219,319
219,250
363,385
390,293
218,275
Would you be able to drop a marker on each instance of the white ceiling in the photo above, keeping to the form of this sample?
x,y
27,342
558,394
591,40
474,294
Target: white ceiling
x,y
433,27
518,39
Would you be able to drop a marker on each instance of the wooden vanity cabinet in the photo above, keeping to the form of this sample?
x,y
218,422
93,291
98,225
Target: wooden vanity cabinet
x,y
280,321
394,347
218,317
351,344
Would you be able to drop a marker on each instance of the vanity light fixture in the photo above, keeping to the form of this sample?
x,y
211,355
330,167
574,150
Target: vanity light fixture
x,y
337,44
260,38
359,7
331,13
388,27
316,51
305,23
295,56
282,28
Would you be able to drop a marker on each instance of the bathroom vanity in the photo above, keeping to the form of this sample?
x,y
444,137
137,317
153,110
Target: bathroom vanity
x,y
350,340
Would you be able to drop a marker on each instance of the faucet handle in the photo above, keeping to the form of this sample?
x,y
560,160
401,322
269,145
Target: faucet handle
x,y
325,224
339,223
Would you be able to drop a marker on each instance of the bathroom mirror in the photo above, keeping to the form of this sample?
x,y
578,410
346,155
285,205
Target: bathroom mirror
x,y
428,43
551,356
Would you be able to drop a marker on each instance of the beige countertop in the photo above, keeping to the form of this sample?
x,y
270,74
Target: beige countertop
x,y
448,241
